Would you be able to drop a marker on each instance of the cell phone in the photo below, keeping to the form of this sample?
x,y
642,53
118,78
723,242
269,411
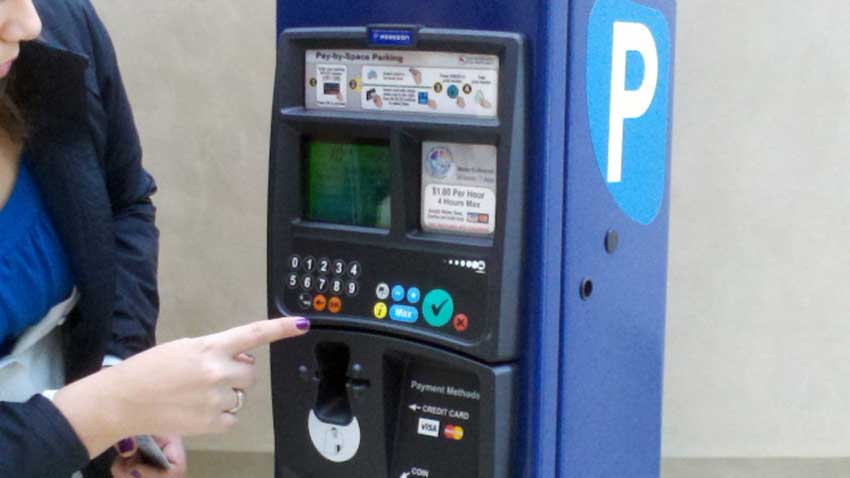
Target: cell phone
x,y
151,452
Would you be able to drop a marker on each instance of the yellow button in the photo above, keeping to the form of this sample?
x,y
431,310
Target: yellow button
x,y
380,310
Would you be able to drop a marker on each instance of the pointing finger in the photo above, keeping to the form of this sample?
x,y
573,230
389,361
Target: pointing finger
x,y
250,336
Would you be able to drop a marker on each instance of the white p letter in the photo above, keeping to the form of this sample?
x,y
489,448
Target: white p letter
x,y
625,103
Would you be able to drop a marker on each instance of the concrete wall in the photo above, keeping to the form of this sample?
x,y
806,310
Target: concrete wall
x,y
758,360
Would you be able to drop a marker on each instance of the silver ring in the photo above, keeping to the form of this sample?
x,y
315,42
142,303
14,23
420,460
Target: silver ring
x,y
240,401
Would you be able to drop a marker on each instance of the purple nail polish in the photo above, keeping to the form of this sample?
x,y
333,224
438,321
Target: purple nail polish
x,y
125,445
303,325
135,474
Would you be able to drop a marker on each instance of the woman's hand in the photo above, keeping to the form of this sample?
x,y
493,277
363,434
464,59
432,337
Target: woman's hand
x,y
184,387
131,465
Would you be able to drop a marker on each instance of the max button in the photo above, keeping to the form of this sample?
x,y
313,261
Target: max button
x,y
404,313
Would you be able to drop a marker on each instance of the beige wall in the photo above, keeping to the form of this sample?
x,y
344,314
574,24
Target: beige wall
x,y
200,76
759,330
758,360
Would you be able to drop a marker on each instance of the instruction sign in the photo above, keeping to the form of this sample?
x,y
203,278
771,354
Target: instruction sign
x,y
407,82
459,188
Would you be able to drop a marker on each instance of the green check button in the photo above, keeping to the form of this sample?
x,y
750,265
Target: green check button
x,y
438,307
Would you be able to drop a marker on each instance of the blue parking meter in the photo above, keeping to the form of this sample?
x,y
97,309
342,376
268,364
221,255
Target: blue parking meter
x,y
470,201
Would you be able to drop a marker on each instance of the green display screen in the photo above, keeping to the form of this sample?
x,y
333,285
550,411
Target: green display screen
x,y
347,183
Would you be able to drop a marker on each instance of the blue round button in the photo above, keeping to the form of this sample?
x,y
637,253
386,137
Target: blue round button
x,y
453,91
398,293
413,295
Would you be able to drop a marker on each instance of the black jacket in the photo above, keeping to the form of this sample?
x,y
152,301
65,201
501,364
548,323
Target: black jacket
x,y
86,157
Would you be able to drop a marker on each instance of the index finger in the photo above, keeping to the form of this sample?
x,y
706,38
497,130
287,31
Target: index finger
x,y
246,337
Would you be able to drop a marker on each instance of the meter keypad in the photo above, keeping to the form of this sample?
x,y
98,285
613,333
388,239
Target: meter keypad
x,y
410,289
323,276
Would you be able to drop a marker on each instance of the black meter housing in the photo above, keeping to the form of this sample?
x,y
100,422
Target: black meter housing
x,y
409,367
481,274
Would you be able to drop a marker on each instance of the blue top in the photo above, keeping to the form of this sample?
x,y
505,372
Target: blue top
x,y
34,271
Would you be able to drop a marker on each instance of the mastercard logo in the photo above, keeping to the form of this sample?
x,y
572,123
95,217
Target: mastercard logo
x,y
453,432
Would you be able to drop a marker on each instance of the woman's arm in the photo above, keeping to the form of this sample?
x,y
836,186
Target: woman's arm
x,y
37,440
181,387
130,187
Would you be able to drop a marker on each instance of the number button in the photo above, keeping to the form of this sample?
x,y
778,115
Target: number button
x,y
324,265
322,284
339,267
292,280
336,286
294,262
352,288
354,270
309,263
307,282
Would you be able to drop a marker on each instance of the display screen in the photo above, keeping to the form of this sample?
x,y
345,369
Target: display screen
x,y
347,183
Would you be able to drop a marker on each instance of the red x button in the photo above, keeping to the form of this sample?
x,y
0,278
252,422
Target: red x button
x,y
461,322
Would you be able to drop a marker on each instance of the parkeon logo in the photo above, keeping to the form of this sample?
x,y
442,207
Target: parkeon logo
x,y
628,95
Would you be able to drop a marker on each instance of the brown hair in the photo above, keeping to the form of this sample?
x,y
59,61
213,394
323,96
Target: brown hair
x,y
12,117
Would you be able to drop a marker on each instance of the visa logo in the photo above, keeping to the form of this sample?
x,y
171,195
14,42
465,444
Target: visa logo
x,y
429,427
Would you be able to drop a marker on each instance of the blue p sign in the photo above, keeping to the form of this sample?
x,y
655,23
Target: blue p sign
x,y
628,94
